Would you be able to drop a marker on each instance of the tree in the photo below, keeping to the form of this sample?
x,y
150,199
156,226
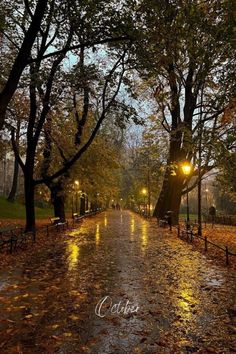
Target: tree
x,y
192,76
23,53
68,26
143,163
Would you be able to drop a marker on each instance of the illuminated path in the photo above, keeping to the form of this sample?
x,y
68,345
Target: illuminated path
x,y
181,301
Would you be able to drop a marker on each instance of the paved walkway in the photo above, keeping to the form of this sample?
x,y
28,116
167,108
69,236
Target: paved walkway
x,y
151,293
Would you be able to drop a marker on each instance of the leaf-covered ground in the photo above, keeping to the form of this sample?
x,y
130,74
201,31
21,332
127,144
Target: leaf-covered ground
x,y
48,294
220,235
223,235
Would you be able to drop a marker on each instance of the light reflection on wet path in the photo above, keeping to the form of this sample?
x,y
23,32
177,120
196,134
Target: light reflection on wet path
x,y
184,300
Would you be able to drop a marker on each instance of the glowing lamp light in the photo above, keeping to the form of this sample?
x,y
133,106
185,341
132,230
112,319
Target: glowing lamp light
x,y
144,191
186,168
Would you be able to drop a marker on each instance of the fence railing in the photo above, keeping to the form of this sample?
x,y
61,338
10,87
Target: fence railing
x,y
221,219
57,227
190,235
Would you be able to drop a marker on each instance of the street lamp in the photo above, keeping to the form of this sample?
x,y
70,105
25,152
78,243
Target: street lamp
x,y
72,201
76,195
144,192
186,169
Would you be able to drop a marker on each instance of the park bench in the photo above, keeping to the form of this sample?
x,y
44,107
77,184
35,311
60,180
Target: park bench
x,y
163,223
8,236
57,223
12,237
189,232
166,221
76,217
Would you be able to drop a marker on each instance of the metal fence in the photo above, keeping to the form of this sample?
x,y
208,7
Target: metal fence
x,y
221,219
190,235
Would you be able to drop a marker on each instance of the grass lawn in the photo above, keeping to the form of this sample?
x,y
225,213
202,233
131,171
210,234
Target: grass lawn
x,y
17,211
192,217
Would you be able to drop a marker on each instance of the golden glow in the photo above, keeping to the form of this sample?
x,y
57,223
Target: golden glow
x,y
74,233
105,220
187,296
77,182
187,300
186,168
144,191
132,225
73,251
144,236
97,234
132,228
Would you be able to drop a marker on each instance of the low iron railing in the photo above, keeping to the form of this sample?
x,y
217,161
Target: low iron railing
x,y
190,235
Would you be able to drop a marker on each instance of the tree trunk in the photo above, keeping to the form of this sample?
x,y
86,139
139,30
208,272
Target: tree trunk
x,y
58,200
12,194
82,205
170,197
29,203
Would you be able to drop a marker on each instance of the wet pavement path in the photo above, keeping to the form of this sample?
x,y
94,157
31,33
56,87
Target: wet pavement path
x,y
186,304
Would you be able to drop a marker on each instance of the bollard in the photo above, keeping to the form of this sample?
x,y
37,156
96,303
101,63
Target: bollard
x,y
191,236
205,243
178,231
227,255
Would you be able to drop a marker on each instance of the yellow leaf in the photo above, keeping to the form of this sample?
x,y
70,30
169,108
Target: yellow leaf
x,y
28,316
67,334
55,326
74,318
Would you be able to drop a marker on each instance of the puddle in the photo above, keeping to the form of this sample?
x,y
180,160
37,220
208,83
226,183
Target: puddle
x,y
213,278
214,282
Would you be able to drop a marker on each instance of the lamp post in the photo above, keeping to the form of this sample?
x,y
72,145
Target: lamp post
x,y
186,169
72,201
144,192
76,195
